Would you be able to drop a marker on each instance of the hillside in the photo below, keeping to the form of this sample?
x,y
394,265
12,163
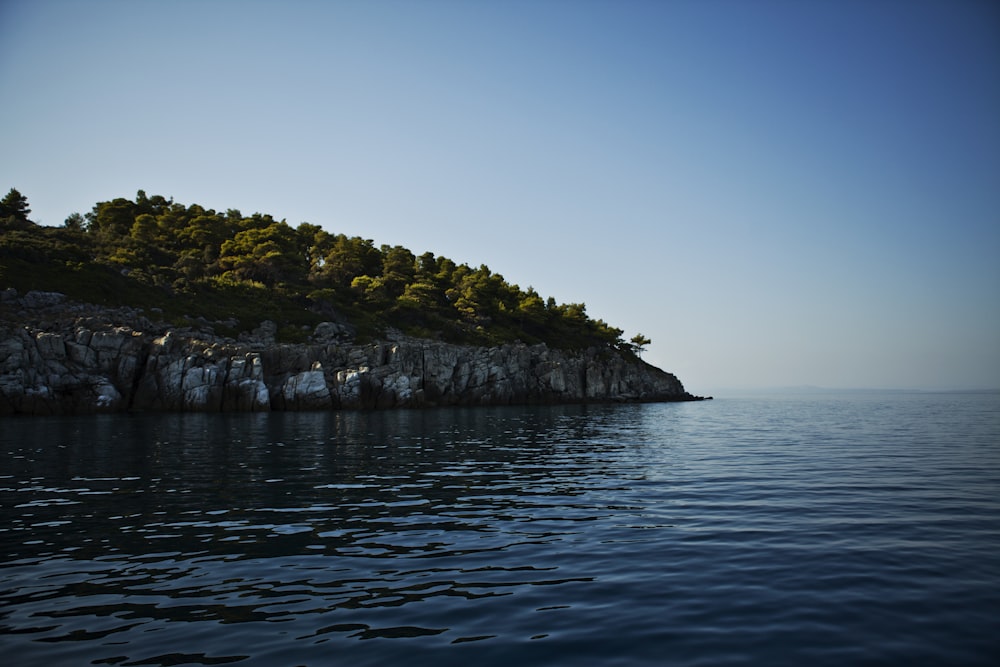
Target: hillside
x,y
232,272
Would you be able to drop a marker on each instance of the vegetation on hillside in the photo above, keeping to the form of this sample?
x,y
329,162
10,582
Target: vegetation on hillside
x,y
192,262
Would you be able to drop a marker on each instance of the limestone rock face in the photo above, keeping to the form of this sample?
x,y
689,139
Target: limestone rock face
x,y
87,367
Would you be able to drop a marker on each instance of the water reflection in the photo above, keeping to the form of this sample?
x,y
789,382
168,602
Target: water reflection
x,y
224,483
146,521
581,534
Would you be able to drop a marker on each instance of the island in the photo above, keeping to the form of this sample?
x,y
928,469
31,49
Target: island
x,y
150,305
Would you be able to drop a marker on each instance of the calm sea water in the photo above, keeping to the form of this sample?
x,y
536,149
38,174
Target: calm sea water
x,y
782,530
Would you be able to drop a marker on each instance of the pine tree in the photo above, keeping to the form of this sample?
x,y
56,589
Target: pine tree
x,y
14,211
639,343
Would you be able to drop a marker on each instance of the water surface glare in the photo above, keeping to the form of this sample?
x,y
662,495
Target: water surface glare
x,y
778,530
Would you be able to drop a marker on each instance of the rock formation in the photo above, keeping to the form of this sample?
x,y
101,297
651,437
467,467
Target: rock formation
x,y
60,358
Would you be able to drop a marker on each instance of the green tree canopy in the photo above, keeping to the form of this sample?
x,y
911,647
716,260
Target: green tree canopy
x,y
267,255
232,263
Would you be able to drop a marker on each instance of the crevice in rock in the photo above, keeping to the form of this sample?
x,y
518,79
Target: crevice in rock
x,y
140,373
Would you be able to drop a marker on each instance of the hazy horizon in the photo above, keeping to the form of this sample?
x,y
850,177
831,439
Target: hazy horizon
x,y
777,193
811,389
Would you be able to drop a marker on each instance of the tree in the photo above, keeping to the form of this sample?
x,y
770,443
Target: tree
x,y
427,267
398,269
476,294
267,255
531,305
14,211
347,259
111,220
421,295
74,221
144,228
638,343
313,243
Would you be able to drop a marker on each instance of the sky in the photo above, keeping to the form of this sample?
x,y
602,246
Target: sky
x,y
777,193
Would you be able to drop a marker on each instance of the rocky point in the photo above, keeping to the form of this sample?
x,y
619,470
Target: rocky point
x,y
58,357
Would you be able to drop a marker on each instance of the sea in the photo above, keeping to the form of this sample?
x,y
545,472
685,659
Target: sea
x,y
857,528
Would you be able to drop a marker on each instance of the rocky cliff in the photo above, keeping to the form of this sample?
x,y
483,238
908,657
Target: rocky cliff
x,y
62,358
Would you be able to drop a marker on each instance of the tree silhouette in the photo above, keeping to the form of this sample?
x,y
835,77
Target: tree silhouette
x,y
14,211
639,343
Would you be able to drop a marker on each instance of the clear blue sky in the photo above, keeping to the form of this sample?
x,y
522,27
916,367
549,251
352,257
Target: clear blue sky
x,y
776,192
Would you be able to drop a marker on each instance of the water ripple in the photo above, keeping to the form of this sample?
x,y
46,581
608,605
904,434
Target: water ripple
x,y
724,533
